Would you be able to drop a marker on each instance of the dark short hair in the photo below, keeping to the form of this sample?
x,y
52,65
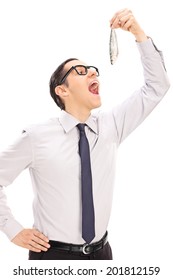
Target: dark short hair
x,y
55,81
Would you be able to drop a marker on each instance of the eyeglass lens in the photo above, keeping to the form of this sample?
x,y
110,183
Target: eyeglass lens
x,y
83,70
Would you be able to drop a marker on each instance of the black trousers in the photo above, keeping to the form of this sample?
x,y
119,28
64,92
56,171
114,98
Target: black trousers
x,y
55,254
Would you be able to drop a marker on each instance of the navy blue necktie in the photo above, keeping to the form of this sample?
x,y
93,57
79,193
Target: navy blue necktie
x,y
88,220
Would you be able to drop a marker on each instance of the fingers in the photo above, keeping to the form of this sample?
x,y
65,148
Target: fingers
x,y
39,241
122,19
125,20
32,239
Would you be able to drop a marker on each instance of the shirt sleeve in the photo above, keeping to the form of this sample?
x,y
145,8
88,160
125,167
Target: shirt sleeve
x,y
128,115
12,162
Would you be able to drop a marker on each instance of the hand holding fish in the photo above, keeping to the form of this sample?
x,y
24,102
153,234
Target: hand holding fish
x,y
125,20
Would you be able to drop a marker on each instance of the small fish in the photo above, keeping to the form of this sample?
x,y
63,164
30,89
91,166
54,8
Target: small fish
x,y
113,46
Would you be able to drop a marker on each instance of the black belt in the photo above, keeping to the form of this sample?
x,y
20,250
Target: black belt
x,y
80,248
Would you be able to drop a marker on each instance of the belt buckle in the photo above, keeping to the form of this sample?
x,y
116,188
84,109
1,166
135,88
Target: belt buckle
x,y
84,249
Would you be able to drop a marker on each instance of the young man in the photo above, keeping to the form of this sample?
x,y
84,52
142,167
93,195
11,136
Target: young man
x,y
53,156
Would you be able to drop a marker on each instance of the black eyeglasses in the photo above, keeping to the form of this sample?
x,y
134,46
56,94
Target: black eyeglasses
x,y
80,70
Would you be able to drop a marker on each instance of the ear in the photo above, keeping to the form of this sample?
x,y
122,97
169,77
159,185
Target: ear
x,y
61,91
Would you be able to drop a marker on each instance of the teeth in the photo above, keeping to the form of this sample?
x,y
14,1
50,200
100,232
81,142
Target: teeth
x,y
94,82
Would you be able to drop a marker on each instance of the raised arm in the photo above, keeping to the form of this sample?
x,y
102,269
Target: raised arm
x,y
131,113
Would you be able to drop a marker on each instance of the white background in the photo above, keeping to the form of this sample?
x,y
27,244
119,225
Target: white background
x,y
36,36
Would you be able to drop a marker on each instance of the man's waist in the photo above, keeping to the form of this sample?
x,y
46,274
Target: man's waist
x,y
80,248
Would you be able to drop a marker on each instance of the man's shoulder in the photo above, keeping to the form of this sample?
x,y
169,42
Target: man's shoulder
x,y
42,127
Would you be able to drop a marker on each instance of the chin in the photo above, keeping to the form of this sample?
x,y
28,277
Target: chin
x,y
98,105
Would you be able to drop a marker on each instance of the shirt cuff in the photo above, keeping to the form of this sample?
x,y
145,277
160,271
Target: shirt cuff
x,y
147,47
12,228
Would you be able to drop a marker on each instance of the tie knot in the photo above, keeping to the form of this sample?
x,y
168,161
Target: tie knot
x,y
81,127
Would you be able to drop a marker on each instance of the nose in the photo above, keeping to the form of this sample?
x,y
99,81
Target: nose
x,y
92,72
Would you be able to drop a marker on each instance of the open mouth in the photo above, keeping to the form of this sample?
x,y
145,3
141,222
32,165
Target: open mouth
x,y
94,87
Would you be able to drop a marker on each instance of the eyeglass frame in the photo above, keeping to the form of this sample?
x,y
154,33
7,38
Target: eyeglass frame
x,y
74,68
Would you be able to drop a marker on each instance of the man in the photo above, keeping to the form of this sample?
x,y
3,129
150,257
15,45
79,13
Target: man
x,y
52,152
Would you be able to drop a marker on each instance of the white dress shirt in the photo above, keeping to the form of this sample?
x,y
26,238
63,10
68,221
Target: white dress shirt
x,y
50,152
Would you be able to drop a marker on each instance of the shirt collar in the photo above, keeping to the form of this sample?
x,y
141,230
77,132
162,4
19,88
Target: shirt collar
x,y
68,122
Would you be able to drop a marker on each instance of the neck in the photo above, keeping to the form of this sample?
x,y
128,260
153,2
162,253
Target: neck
x,y
81,116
